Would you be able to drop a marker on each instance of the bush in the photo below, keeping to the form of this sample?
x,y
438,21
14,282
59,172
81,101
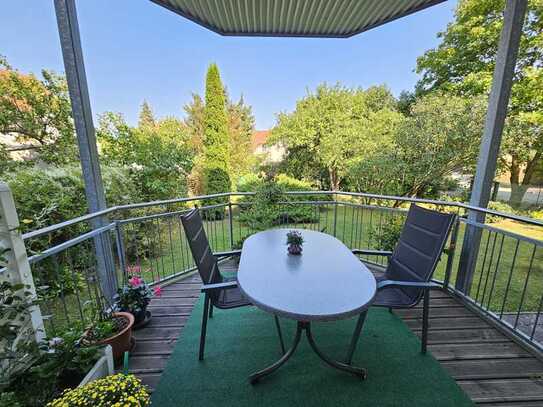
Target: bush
x,y
119,389
289,213
387,235
216,181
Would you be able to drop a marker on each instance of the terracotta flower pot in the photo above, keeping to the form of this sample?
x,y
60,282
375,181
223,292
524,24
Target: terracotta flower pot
x,y
121,341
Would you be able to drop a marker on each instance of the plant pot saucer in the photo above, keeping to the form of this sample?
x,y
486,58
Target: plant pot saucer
x,y
144,322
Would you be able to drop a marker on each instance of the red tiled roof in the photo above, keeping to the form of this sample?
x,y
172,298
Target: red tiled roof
x,y
259,138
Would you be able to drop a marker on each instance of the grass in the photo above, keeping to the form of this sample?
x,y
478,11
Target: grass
x,y
243,340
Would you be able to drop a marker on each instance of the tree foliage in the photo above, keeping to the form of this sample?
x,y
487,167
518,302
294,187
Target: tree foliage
x,y
38,113
440,136
159,157
216,143
146,117
334,127
463,64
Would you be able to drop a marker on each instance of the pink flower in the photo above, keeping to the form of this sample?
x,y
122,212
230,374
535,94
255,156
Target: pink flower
x,y
157,291
135,281
133,269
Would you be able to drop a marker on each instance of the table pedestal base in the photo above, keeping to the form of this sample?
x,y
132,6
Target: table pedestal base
x,y
306,326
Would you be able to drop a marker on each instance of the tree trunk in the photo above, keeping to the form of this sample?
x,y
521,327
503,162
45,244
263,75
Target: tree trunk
x,y
518,189
334,179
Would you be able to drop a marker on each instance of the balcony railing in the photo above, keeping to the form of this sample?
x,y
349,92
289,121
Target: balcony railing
x,y
506,286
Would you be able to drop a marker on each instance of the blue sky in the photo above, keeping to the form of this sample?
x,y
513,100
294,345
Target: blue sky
x,y
136,50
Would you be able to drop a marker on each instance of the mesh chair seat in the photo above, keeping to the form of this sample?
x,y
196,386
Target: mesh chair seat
x,y
231,298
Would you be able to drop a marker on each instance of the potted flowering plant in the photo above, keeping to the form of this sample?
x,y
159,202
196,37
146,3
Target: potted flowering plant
x,y
111,328
295,241
134,297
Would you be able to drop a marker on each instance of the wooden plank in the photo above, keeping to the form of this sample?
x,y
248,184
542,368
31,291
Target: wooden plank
x,y
449,323
477,351
161,333
464,336
448,312
150,380
494,369
154,347
172,310
148,364
167,321
503,390
167,302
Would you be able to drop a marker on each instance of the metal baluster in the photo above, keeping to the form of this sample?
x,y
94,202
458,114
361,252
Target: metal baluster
x,y
509,279
488,270
495,273
174,269
525,287
482,267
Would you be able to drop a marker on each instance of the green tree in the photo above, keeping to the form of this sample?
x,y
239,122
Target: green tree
x,y
241,125
146,117
216,143
440,136
194,120
463,64
37,112
159,158
335,127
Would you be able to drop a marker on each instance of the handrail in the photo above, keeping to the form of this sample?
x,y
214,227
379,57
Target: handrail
x,y
88,217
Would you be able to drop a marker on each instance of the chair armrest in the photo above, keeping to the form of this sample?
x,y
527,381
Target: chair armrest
x,y
373,252
226,254
412,284
219,286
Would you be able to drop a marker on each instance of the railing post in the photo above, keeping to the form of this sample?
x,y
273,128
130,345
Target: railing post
x,y
335,214
231,223
18,268
121,252
506,57
450,252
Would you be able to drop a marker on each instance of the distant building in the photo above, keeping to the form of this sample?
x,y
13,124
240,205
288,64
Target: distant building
x,y
18,151
269,154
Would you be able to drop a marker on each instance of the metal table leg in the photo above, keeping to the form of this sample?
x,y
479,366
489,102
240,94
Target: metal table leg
x,y
304,325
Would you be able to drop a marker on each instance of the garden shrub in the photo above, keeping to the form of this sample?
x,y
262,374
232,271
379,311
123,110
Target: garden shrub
x,y
386,236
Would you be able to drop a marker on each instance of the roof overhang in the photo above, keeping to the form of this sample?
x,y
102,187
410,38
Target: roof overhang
x,y
294,18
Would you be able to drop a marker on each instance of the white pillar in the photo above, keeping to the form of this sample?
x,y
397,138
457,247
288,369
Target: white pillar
x,y
18,269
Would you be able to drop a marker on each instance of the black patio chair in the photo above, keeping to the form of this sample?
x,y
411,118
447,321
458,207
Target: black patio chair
x,y
408,276
221,292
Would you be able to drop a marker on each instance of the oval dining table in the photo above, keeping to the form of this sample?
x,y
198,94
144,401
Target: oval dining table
x,y
327,282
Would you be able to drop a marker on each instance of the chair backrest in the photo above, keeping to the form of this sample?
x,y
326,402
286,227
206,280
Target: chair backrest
x,y
205,261
419,249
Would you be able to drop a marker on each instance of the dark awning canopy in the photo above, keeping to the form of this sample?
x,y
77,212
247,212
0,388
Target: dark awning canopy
x,y
294,18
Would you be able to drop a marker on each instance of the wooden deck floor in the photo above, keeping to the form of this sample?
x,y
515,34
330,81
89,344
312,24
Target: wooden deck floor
x,y
492,370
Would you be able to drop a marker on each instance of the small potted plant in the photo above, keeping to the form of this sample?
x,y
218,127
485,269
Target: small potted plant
x,y
115,390
111,328
134,297
295,241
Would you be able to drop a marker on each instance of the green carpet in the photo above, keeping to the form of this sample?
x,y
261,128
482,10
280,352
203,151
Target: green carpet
x,y
244,340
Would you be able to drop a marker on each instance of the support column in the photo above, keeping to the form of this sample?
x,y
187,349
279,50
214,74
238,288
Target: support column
x,y
70,42
506,58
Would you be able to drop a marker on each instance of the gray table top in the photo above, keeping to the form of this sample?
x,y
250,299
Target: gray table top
x,y
326,282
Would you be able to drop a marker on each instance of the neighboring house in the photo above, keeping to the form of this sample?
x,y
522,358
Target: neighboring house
x,y
269,154
18,151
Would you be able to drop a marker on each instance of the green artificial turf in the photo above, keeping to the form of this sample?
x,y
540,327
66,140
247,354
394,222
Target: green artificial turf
x,y
241,341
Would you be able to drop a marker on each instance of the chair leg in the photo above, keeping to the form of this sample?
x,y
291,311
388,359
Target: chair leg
x,y
425,315
278,326
204,328
211,310
390,310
